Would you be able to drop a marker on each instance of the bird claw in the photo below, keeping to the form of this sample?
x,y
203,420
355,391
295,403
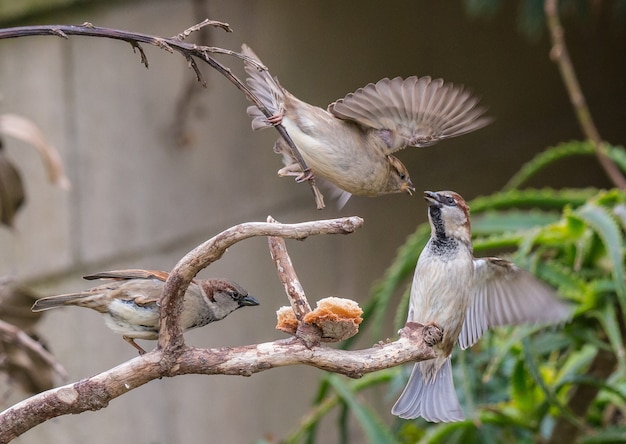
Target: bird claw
x,y
275,120
305,175
432,333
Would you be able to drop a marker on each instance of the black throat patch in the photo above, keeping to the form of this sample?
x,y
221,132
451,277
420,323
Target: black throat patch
x,y
440,243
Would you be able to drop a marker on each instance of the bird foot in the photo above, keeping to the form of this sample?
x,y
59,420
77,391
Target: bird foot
x,y
294,170
433,333
305,175
132,342
276,119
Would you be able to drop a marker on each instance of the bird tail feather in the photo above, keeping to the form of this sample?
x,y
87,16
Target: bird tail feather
x,y
57,301
265,87
434,400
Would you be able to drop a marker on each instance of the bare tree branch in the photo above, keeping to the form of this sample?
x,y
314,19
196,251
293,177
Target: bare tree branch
x,y
96,392
173,358
189,51
560,56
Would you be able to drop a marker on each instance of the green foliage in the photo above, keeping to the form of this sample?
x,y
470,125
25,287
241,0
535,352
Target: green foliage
x,y
517,383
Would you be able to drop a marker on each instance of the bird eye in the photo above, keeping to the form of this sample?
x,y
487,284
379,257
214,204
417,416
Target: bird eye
x,y
450,200
402,176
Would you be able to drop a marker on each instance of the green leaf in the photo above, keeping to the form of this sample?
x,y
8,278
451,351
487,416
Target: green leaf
x,y
576,362
521,391
553,154
546,198
533,370
607,229
492,222
608,317
451,433
375,431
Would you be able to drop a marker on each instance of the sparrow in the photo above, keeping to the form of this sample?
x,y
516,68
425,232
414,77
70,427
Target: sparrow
x,y
463,296
129,302
350,144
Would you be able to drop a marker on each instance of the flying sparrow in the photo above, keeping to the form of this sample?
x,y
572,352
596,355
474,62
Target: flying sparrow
x,y
464,296
351,143
129,302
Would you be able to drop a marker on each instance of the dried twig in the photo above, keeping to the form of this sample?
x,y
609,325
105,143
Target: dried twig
x,y
187,98
206,22
189,50
560,56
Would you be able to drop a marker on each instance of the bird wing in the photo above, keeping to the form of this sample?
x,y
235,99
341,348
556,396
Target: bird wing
x,y
129,274
412,112
504,294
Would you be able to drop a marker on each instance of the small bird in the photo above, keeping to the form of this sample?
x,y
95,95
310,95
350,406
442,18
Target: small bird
x,y
463,296
351,143
129,302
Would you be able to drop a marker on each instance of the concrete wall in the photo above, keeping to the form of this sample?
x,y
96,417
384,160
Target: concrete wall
x,y
138,200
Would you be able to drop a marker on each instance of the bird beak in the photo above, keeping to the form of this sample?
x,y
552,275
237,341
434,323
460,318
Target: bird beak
x,y
248,301
432,198
407,187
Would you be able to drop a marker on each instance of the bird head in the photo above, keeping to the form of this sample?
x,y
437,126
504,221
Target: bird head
x,y
227,296
398,180
449,215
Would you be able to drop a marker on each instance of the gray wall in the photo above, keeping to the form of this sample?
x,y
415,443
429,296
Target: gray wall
x,y
140,201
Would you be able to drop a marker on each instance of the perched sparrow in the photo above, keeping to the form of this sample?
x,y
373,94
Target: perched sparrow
x,y
463,296
129,303
351,144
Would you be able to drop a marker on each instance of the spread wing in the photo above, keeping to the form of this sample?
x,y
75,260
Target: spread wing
x,y
412,112
504,294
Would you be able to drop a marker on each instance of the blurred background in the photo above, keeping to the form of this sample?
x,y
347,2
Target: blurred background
x,y
159,164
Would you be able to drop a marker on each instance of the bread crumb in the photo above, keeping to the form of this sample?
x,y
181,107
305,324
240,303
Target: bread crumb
x,y
286,320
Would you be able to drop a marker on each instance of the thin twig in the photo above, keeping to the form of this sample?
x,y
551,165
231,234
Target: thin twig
x,y
560,56
188,50
206,22
187,98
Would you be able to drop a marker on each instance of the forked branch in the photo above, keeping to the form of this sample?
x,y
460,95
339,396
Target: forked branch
x,y
173,44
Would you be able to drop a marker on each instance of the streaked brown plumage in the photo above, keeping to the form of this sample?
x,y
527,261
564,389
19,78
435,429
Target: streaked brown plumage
x,y
128,302
351,143
463,296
